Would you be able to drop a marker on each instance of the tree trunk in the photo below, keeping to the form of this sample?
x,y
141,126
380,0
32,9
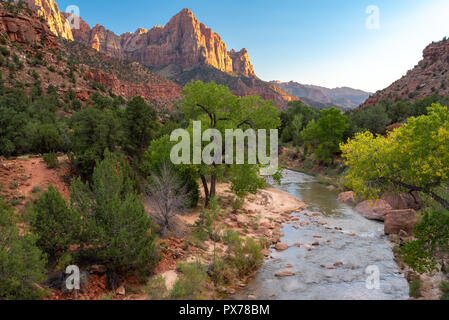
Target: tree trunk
x,y
206,191
213,184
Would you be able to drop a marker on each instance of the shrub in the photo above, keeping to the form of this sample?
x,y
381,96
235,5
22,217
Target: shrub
x,y
51,159
55,224
22,264
444,287
156,288
189,285
118,230
415,288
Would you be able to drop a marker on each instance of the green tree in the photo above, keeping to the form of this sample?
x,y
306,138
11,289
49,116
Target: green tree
x,y
325,134
140,124
22,264
217,108
118,232
55,224
93,132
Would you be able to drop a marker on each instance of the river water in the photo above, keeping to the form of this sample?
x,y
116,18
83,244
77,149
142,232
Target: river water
x,y
343,236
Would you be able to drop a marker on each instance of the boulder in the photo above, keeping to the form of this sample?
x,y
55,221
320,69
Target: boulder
x,y
403,201
373,210
400,221
347,197
281,246
98,269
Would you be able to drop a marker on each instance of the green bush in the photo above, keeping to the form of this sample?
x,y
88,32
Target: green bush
x,y
118,232
22,264
415,289
189,285
444,287
51,159
55,224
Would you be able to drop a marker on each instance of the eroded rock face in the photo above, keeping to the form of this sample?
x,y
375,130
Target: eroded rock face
x,y
183,41
48,9
429,77
400,220
373,210
26,29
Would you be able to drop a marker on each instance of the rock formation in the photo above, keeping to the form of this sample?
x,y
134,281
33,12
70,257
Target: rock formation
x,y
26,29
48,9
429,77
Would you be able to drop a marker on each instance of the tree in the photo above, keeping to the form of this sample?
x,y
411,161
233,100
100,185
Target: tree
x,y
374,119
22,264
167,195
93,132
412,158
117,230
140,125
55,224
295,119
217,108
325,134
158,155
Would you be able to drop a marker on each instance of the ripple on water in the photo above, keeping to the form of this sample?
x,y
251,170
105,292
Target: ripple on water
x,y
316,277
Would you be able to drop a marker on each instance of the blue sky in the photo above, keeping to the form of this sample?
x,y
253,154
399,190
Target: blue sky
x,y
321,42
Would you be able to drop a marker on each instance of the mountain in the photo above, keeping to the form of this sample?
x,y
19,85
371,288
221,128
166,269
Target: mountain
x,y
429,77
320,97
48,9
184,44
31,50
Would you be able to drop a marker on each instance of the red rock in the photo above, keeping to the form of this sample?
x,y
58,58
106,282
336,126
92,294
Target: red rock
x,y
400,220
347,197
373,210
285,273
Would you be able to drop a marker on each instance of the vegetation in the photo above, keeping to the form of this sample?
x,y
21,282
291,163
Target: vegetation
x,y
22,263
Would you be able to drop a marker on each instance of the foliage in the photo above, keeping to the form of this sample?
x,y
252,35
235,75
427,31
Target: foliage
x,y
295,120
140,124
432,238
217,108
415,289
93,132
22,264
55,224
51,159
412,158
325,134
158,155
118,231
189,285
444,287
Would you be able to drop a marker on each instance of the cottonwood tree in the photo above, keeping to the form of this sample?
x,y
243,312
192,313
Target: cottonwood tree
x,y
217,108
415,157
167,195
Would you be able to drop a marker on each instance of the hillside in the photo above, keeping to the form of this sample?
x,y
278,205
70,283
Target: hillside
x,y
184,43
429,77
321,97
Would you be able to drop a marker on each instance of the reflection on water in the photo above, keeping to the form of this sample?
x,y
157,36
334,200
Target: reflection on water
x,y
343,236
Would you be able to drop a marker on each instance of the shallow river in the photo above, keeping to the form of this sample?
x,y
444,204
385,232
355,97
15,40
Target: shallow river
x,y
368,247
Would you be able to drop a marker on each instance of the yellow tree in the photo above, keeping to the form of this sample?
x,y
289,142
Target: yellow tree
x,y
415,157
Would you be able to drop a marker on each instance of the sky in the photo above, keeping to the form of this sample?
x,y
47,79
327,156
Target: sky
x,y
363,44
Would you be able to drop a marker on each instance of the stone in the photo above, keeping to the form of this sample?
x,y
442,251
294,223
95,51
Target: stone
x,y
403,201
298,245
347,197
400,220
281,246
288,266
338,263
316,244
317,214
285,273
373,210
266,252
304,224
252,297
121,291
308,247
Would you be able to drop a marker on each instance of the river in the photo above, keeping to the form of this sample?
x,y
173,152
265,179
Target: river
x,y
344,237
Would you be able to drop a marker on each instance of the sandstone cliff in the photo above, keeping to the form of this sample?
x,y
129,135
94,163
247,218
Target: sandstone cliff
x,y
429,77
24,28
48,9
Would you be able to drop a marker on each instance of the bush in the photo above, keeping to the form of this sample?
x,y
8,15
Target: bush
x,y
22,264
189,285
118,231
55,224
444,287
415,289
51,159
